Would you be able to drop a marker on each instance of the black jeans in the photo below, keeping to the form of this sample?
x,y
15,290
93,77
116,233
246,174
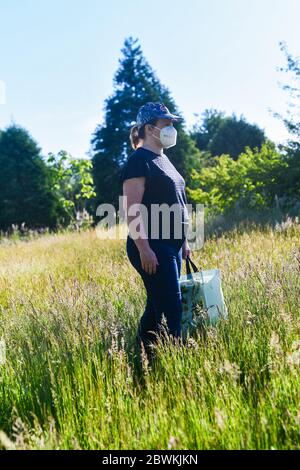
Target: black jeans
x,y
163,290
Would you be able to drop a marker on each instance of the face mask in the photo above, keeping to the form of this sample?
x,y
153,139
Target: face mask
x,y
168,136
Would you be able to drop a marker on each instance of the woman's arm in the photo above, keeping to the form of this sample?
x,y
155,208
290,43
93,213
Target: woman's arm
x,y
133,190
186,251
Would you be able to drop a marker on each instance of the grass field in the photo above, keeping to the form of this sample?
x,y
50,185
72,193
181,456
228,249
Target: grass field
x,y
69,308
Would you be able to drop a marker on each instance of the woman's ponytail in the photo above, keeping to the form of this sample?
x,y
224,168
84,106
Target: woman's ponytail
x,y
139,133
134,137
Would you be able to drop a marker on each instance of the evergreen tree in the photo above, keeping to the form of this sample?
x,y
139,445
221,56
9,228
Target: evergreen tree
x,y
135,83
25,193
219,135
203,131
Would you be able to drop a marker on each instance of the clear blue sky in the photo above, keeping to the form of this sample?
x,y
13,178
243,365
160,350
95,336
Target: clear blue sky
x,y
58,59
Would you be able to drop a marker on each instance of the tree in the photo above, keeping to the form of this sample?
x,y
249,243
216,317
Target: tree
x,y
219,135
251,181
135,83
290,180
203,132
25,183
72,181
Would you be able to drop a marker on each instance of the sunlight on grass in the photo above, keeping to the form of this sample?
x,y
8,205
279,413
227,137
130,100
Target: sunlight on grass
x,y
73,378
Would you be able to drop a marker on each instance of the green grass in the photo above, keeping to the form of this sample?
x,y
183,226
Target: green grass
x,y
69,309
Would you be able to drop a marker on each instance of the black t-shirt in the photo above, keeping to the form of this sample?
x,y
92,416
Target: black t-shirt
x,y
163,185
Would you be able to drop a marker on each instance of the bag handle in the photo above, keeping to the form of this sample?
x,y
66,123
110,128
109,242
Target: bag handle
x,y
188,268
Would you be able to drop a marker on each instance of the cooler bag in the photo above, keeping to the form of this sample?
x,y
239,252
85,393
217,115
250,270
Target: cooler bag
x,y
201,289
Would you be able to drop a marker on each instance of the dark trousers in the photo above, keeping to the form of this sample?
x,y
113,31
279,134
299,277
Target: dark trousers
x,y
163,290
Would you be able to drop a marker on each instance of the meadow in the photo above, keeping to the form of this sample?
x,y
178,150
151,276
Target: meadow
x,y
73,379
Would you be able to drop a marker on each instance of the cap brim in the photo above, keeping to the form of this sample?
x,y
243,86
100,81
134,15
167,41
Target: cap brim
x,y
170,116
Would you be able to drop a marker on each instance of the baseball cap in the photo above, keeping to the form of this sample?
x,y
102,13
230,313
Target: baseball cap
x,y
150,111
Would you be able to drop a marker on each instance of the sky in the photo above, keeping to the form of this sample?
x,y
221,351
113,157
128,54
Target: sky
x,y
58,59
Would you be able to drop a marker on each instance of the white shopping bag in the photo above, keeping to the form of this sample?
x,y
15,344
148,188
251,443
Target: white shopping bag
x,y
201,288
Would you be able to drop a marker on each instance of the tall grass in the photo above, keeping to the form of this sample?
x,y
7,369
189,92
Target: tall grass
x,y
73,378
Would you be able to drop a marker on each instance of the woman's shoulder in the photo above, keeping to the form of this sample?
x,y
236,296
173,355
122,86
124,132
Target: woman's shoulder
x,y
135,157
142,152
140,157
134,154
136,165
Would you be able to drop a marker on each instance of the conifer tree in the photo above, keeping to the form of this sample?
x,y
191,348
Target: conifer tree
x,y
25,186
135,83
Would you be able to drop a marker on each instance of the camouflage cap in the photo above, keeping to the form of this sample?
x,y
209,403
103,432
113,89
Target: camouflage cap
x,y
150,111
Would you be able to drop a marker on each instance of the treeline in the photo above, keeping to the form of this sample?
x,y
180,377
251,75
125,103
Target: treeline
x,y
226,161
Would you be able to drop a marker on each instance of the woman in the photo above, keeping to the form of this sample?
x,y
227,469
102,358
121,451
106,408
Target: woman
x,y
148,178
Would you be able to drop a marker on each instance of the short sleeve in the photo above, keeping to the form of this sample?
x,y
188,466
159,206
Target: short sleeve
x,y
135,167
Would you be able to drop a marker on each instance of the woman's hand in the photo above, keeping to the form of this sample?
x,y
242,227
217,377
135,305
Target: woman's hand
x,y
148,260
186,251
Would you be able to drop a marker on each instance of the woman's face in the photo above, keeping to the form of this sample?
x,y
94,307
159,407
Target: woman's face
x,y
150,130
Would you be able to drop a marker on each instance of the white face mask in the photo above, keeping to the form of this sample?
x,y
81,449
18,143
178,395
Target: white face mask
x,y
168,136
